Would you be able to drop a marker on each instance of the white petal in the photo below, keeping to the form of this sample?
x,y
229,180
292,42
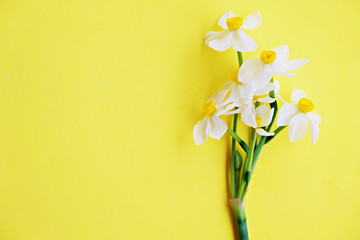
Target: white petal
x,y
297,127
296,95
262,111
210,36
229,108
282,72
266,89
282,53
228,85
276,86
315,117
250,69
246,93
239,103
221,43
242,42
223,109
201,131
234,94
314,121
287,111
219,97
224,18
266,100
217,127
248,115
294,64
265,114
263,78
262,132
252,21
277,90
267,119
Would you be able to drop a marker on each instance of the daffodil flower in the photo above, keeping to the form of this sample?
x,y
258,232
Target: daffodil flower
x,y
275,61
234,34
212,124
297,117
241,94
257,118
263,118
236,91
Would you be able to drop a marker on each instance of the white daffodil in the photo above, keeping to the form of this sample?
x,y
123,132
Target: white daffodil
x,y
212,124
261,70
257,118
241,94
234,34
297,117
236,92
263,118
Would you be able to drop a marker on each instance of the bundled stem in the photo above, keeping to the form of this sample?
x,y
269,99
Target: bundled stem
x,y
239,140
239,212
240,182
236,180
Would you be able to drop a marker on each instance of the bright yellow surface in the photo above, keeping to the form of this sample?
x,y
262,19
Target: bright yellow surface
x,y
98,100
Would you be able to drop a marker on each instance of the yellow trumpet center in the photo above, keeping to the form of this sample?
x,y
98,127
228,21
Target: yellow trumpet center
x,y
258,121
209,109
268,56
305,105
234,77
258,97
234,23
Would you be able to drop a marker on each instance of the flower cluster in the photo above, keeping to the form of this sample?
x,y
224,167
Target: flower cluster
x,y
252,88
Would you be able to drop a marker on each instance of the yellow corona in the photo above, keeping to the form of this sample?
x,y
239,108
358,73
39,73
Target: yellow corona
x,y
268,56
234,23
305,105
209,109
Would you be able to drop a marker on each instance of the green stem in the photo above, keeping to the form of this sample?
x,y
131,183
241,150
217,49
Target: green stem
x,y
252,147
232,175
248,164
242,225
239,211
237,164
242,228
238,139
240,58
241,184
257,152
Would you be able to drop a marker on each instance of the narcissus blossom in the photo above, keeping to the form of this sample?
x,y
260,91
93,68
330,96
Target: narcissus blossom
x,y
237,92
263,118
212,125
261,70
257,118
297,117
234,34
241,94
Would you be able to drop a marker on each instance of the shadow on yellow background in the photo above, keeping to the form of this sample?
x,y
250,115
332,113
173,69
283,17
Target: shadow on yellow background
x,y
97,104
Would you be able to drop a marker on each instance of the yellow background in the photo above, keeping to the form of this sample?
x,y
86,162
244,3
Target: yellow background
x,y
97,104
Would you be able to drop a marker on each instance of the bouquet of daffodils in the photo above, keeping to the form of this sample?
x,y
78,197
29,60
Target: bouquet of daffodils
x,y
252,95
